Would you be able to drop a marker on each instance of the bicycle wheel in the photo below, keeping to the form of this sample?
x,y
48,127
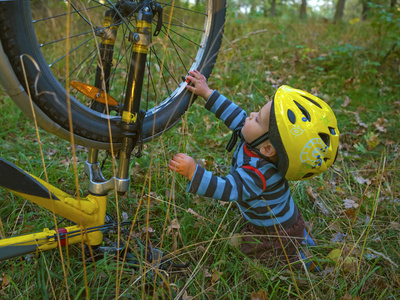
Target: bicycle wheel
x,y
63,38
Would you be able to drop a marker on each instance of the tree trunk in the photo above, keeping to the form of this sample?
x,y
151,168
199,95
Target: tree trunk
x,y
365,9
303,9
273,8
393,3
339,10
265,13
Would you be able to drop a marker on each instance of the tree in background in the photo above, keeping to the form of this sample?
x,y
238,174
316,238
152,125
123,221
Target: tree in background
x,y
339,10
365,9
272,10
303,9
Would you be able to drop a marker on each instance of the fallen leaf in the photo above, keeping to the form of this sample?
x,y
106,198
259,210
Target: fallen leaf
x,y
311,194
148,229
215,276
185,296
379,124
351,213
334,255
261,295
359,122
339,237
174,226
362,180
5,281
194,213
350,297
207,273
372,140
394,226
350,264
174,241
348,203
346,101
125,216
235,240
348,82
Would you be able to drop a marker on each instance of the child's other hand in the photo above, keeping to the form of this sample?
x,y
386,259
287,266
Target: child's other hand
x,y
183,164
200,87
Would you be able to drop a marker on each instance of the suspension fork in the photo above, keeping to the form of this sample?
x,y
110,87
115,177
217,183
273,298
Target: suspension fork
x,y
108,35
131,115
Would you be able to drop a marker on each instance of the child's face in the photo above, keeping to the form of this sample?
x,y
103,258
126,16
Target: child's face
x,y
257,123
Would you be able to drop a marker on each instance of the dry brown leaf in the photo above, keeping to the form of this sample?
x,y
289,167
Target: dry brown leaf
x,y
261,295
351,213
313,197
207,273
235,240
348,82
346,101
349,203
350,264
191,211
362,180
5,281
215,276
174,226
185,296
394,226
372,141
359,122
148,229
349,297
174,241
379,124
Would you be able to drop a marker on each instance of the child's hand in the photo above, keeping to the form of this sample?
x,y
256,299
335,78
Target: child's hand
x,y
200,87
183,164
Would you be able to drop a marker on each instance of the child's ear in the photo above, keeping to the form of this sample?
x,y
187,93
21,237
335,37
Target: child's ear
x,y
268,150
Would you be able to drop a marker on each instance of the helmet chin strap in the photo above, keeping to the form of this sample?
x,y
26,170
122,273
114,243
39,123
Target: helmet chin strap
x,y
258,140
252,146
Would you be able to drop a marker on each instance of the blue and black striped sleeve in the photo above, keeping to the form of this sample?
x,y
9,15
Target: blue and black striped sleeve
x,y
241,185
227,111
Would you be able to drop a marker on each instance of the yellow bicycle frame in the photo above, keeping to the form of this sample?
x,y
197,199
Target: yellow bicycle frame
x,y
86,212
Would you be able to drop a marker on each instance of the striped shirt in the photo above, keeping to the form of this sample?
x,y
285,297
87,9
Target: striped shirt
x,y
260,192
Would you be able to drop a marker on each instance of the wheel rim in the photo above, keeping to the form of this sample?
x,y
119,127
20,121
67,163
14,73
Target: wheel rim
x,y
182,43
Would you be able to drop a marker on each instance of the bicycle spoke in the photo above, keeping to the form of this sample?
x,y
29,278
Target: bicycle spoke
x,y
71,51
183,8
182,26
66,38
65,14
181,48
82,63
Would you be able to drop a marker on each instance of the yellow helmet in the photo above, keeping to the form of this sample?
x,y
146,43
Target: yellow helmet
x,y
303,129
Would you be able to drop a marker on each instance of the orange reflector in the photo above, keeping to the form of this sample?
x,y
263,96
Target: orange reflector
x,y
94,93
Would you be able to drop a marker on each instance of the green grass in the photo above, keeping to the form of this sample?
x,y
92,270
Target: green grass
x,y
344,65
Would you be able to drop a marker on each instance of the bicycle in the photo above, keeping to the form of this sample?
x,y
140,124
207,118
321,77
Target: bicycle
x,y
118,92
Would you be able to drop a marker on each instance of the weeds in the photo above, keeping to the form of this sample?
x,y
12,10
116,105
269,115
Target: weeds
x,y
352,209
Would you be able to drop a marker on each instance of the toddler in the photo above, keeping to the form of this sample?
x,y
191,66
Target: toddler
x,y
293,137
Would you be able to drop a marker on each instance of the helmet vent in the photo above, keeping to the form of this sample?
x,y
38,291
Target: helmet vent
x,y
325,138
312,101
291,116
308,175
303,110
332,130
